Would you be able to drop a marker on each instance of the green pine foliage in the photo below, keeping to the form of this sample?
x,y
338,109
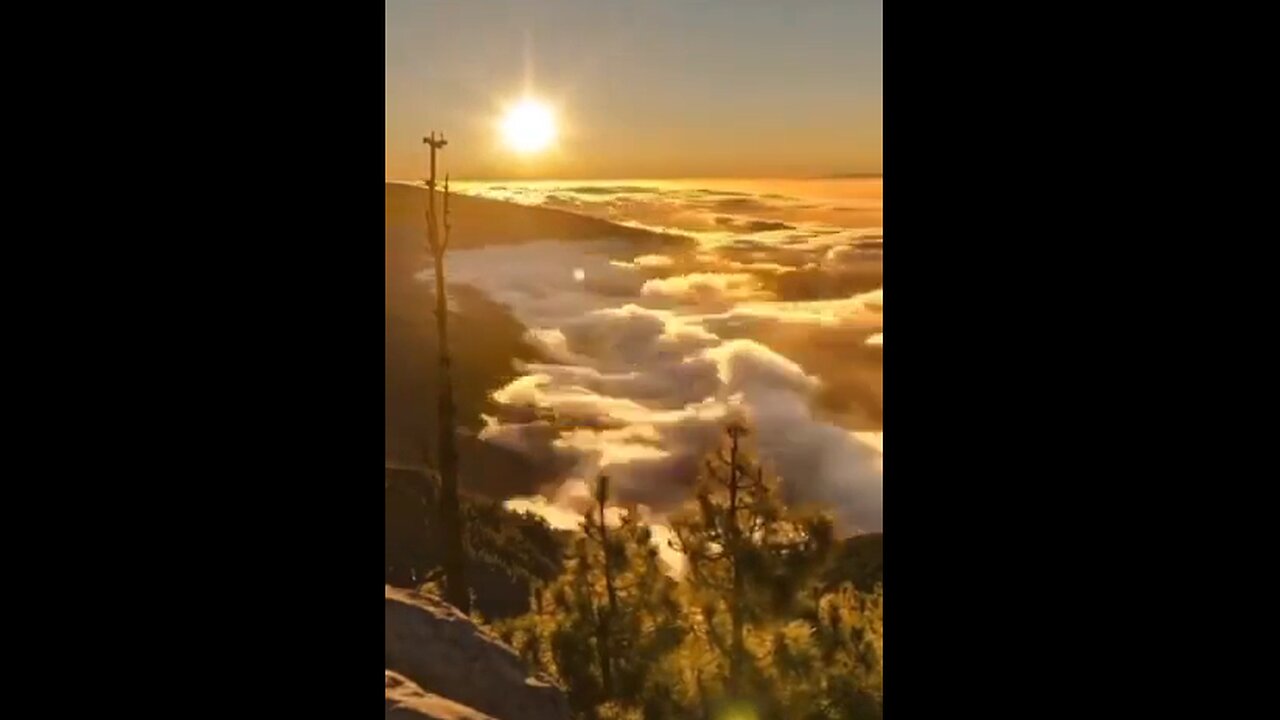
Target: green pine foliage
x,y
772,619
605,624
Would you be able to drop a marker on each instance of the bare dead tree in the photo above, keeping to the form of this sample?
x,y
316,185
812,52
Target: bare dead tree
x,y
457,592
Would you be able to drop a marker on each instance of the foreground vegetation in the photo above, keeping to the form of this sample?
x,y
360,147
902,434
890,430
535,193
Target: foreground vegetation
x,y
771,617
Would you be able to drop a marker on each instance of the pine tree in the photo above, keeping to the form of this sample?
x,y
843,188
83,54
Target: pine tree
x,y
613,558
850,639
606,624
754,628
748,556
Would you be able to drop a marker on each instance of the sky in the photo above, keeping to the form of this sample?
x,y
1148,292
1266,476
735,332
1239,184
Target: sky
x,y
654,89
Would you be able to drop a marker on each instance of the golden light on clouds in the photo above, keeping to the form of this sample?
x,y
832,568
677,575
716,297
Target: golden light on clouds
x,y
528,127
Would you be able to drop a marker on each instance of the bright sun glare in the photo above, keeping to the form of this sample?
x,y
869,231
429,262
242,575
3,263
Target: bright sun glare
x,y
529,127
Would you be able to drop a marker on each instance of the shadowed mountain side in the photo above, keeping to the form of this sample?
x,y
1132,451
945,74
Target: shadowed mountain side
x,y
858,560
481,221
486,338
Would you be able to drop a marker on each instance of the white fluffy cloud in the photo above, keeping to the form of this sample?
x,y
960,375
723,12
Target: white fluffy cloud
x,y
705,287
647,261
660,407
645,356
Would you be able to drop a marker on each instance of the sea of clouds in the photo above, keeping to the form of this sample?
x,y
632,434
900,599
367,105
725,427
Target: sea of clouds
x,y
772,311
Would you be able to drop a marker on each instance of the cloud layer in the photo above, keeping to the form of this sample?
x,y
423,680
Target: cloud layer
x,y
774,313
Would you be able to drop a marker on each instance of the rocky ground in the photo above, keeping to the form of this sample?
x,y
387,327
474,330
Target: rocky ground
x,y
441,665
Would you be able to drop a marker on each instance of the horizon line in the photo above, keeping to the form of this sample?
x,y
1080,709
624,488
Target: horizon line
x,y
495,178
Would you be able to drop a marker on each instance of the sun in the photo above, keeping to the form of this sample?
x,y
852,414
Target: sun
x,y
529,126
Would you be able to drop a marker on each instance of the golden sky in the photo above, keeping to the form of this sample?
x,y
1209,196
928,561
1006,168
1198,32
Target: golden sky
x,y
659,89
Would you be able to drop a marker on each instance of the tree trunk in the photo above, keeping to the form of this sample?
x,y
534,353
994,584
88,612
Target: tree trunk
x,y
606,659
737,650
456,591
454,565
606,620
